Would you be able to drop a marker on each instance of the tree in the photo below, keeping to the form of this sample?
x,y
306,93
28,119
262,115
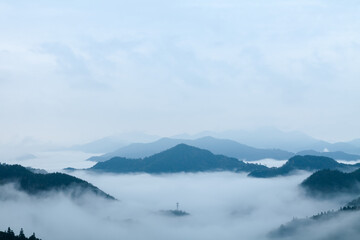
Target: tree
x,y
10,232
32,237
22,235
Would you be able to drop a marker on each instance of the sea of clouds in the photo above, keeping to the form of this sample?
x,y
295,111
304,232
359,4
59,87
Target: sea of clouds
x,y
222,205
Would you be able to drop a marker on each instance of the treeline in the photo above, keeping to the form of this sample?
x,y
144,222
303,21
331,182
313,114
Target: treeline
x,y
10,235
294,227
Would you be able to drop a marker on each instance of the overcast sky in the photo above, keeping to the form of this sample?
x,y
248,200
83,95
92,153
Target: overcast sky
x,y
73,70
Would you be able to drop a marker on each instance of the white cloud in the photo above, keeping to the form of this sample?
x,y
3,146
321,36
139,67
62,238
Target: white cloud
x,y
222,205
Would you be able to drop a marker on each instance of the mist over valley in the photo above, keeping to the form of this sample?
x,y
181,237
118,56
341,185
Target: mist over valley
x,y
179,120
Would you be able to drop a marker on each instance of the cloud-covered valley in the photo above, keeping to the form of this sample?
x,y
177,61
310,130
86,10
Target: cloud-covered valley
x,y
221,206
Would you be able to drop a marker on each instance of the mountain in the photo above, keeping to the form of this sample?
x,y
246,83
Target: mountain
x,y
266,137
332,182
347,147
307,163
335,155
102,145
217,146
269,137
273,138
181,158
355,142
139,150
327,183
111,143
36,183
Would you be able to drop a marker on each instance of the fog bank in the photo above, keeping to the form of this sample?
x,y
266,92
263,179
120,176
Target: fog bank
x,y
222,206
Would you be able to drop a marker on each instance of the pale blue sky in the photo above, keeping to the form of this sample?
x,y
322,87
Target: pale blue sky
x,y
72,71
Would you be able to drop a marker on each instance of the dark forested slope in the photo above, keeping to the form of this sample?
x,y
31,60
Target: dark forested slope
x,y
181,158
35,183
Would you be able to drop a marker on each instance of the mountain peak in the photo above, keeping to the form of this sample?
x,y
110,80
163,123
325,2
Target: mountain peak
x,y
180,158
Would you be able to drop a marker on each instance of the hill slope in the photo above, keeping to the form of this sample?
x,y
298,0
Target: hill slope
x,y
335,155
34,183
217,146
304,228
307,163
181,158
332,182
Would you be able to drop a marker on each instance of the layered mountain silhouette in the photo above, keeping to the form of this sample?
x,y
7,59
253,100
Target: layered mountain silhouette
x,y
332,182
307,163
35,183
111,143
217,146
181,158
335,155
270,138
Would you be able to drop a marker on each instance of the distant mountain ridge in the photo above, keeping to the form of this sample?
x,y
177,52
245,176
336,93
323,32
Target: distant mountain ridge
x,y
37,183
181,158
335,155
307,163
111,143
270,137
217,146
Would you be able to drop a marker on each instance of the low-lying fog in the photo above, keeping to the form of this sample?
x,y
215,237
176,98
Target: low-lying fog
x,y
51,161
222,206
269,162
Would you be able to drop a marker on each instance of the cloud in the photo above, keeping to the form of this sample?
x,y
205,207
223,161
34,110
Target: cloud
x,y
120,66
222,205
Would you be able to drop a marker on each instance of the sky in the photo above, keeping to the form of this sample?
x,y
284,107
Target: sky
x,y
73,71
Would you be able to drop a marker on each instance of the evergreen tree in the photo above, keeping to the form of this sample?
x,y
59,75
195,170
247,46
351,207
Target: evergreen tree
x,y
22,235
9,235
32,237
10,232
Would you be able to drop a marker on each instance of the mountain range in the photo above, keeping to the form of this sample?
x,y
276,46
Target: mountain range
x,y
266,137
335,155
270,138
307,163
186,158
111,143
226,147
181,158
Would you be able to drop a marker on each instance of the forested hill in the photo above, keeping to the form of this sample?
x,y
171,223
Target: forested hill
x,y
34,183
181,158
298,227
335,155
306,163
332,182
